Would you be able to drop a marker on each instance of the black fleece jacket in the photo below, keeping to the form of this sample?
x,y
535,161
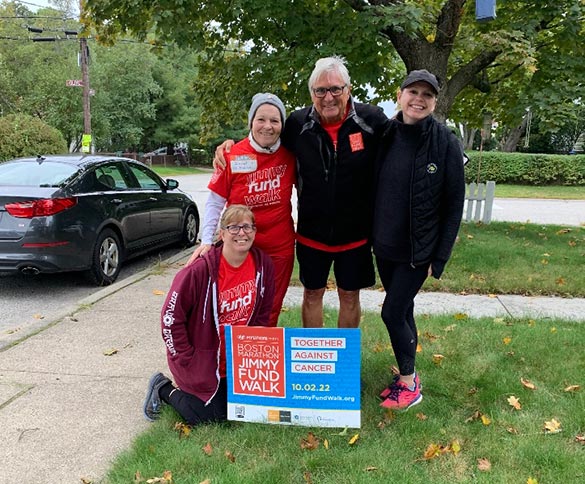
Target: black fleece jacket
x,y
335,189
435,189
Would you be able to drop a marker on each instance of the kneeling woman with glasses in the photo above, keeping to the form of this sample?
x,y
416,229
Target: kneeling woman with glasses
x,y
259,173
231,284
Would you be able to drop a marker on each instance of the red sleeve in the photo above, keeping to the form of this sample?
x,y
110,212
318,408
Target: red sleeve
x,y
221,180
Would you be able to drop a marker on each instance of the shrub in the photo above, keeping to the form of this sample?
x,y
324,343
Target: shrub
x,y
23,135
526,168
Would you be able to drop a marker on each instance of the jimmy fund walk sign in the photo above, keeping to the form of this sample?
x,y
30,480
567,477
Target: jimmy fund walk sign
x,y
292,376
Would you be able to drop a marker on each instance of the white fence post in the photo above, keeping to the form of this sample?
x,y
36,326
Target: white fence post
x,y
479,196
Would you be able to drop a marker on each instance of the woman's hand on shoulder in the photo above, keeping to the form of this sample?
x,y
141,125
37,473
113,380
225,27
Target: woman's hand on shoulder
x,y
219,162
199,251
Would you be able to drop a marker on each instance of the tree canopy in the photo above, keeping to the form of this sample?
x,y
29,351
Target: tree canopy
x,y
527,57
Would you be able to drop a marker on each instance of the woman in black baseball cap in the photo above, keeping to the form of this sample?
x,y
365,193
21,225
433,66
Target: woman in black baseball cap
x,y
419,204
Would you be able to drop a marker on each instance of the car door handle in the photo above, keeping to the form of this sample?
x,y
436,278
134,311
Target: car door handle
x,y
116,201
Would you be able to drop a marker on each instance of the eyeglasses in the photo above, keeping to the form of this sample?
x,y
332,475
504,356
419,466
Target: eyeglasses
x,y
334,90
235,229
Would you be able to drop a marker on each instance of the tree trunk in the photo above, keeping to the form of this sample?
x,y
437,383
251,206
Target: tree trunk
x,y
467,135
510,143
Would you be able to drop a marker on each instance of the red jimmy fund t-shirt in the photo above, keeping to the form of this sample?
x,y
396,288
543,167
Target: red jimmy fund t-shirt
x,y
237,297
263,182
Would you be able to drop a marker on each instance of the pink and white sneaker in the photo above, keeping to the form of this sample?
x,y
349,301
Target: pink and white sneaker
x,y
400,397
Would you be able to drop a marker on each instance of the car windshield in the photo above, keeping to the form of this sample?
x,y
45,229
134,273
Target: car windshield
x,y
46,174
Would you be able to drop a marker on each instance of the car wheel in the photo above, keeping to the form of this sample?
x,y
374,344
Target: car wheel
x,y
106,259
190,228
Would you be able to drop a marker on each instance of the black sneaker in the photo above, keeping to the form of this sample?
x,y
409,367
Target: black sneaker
x,y
153,403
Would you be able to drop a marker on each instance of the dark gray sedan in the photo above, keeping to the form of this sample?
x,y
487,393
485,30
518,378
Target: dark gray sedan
x,y
87,213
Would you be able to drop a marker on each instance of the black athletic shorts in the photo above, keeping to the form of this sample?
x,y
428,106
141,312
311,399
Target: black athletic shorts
x,y
353,268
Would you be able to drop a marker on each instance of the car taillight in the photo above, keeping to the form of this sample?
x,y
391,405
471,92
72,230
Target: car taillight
x,y
40,208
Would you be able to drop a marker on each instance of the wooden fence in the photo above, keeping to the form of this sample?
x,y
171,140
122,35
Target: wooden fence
x,y
479,200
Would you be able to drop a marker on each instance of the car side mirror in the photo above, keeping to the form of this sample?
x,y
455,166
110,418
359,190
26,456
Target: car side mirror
x,y
172,184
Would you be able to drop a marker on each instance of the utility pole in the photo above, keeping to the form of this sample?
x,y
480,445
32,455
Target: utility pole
x,y
87,142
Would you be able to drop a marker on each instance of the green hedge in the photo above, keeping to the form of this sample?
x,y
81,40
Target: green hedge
x,y
22,135
525,168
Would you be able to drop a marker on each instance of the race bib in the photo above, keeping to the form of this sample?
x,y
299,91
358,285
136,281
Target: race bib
x,y
244,164
356,142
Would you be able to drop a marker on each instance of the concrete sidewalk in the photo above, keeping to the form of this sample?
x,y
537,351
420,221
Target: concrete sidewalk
x,y
71,396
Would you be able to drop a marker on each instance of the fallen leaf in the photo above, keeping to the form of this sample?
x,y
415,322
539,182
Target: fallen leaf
x,y
553,330
544,262
138,477
472,391
552,427
546,254
86,480
475,416
183,429
560,281
485,420
460,316
527,384
370,469
421,416
484,465
419,348
326,444
455,447
394,370
307,477
430,336
331,286
229,456
378,347
492,296
514,402
451,327
507,340
469,236
580,438
563,231
432,451
309,443
167,478
38,316
498,320
208,449
354,439
531,480
512,430
573,388
438,359
531,322
206,481
158,292
110,352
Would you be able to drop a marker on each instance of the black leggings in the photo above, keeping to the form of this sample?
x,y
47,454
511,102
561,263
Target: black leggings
x,y
402,283
192,409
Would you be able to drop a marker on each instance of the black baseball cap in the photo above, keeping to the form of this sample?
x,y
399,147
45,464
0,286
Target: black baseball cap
x,y
421,75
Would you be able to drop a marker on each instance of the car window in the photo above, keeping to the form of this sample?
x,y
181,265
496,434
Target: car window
x,y
46,174
146,179
110,177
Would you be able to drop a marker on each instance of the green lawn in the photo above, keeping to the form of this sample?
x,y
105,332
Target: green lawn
x,y
465,416
512,258
527,191
171,171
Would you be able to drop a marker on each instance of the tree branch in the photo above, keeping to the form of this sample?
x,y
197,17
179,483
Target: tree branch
x,y
448,22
